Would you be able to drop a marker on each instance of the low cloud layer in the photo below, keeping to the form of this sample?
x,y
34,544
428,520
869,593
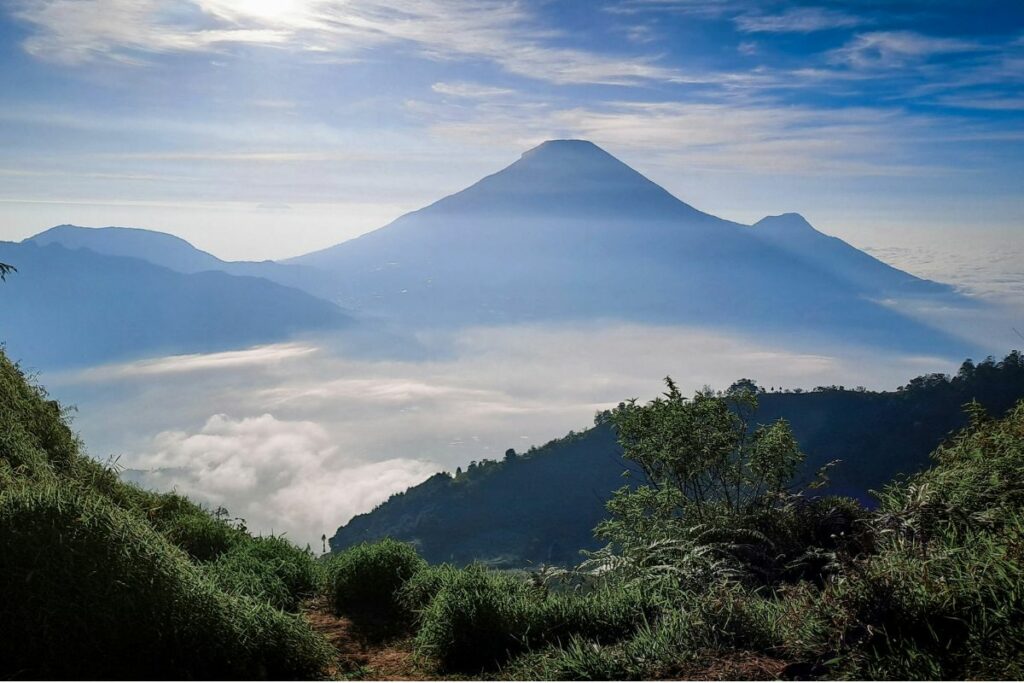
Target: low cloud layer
x,y
280,476
299,437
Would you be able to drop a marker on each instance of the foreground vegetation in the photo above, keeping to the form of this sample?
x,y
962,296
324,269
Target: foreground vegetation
x,y
101,579
715,567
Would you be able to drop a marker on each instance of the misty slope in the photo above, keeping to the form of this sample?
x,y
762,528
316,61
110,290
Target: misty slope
x,y
570,232
792,233
172,252
69,307
542,506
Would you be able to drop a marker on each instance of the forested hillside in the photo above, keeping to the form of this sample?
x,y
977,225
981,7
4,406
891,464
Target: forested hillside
x,y
542,506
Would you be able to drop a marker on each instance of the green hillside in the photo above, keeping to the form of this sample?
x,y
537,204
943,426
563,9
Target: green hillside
x,y
103,580
542,506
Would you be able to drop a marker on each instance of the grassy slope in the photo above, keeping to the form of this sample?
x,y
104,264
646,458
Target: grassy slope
x,y
104,580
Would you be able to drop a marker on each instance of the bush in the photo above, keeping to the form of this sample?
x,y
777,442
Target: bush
x,y
474,619
267,568
419,591
239,573
943,613
192,528
35,422
606,615
297,568
366,578
91,591
477,620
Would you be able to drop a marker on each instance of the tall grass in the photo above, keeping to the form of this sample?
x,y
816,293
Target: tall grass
x,y
367,578
269,569
90,590
100,579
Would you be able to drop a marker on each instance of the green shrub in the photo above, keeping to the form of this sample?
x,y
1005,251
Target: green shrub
x,y
419,591
29,417
477,620
268,569
297,568
941,613
91,591
943,596
367,578
192,528
607,615
239,573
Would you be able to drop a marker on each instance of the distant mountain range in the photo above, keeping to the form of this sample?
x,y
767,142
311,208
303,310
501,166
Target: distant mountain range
x,y
566,233
73,307
542,506
174,253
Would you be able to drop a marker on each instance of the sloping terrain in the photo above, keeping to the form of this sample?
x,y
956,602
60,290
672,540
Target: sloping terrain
x,y
542,506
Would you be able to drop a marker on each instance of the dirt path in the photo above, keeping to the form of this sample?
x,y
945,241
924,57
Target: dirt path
x,y
361,657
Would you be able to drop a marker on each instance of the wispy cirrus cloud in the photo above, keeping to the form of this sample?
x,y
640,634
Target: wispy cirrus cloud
x,y
798,20
755,137
79,31
892,49
469,90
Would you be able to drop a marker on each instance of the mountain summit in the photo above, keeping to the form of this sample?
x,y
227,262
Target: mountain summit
x,y
572,179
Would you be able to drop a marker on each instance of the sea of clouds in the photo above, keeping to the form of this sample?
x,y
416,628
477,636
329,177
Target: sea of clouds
x,y
297,438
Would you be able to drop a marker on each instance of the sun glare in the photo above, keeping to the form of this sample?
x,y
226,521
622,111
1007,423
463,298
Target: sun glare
x,y
268,11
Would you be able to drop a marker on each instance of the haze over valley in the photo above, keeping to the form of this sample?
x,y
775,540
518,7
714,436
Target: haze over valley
x,y
499,317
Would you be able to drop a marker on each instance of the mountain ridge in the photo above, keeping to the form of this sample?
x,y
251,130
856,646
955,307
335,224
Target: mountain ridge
x,y
173,252
73,307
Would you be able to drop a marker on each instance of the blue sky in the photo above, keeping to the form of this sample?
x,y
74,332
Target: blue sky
x,y
263,128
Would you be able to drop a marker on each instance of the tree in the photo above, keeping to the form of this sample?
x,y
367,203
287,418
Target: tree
x,y
702,460
5,270
744,385
717,498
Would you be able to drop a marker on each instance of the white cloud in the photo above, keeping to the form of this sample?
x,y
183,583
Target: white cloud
x,y
892,49
303,443
77,31
198,362
469,90
280,476
797,20
731,138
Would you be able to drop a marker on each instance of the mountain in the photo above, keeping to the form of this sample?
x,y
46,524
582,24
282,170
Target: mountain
x,y
172,252
68,307
541,506
570,232
792,233
156,247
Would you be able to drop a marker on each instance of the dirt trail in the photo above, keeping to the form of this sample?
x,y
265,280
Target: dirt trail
x,y
361,657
